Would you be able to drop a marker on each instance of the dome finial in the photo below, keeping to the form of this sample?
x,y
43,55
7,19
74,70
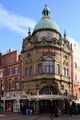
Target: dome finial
x,y
45,5
46,12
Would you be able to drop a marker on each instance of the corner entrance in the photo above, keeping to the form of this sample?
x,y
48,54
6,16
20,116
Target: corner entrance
x,y
47,106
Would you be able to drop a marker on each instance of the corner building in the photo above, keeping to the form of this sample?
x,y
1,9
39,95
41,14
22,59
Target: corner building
x,y
46,66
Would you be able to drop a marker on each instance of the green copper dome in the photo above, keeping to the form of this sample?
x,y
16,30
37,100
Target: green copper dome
x,y
46,22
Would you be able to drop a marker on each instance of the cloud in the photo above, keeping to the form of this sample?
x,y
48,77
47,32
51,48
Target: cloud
x,y
15,22
72,40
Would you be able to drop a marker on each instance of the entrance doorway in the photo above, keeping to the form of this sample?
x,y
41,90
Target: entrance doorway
x,y
47,106
44,106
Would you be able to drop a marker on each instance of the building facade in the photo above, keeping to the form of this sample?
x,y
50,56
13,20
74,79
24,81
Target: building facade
x,y
10,80
76,71
46,65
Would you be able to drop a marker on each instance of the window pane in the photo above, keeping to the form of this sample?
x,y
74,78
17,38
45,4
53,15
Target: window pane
x,y
49,65
16,83
58,69
39,68
30,71
10,84
47,69
65,72
26,72
16,70
10,71
51,69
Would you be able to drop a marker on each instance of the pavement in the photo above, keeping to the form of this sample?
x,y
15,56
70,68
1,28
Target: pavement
x,y
18,116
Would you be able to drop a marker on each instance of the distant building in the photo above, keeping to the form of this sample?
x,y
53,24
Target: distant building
x,y
76,70
46,65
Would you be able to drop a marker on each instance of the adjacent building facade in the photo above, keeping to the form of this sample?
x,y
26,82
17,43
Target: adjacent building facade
x,y
10,80
76,70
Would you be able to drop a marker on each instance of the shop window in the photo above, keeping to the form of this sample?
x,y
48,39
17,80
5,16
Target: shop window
x,y
16,70
10,71
30,71
40,68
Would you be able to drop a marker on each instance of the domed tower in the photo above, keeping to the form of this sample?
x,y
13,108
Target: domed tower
x,y
46,22
46,63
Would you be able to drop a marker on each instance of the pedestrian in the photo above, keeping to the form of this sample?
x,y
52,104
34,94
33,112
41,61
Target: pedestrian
x,y
56,111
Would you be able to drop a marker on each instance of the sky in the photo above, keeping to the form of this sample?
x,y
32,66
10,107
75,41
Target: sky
x,y
16,16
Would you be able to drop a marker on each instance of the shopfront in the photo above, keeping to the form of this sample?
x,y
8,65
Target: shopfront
x,y
46,103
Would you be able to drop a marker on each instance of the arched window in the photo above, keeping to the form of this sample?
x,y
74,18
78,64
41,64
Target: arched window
x,y
30,71
49,65
40,68
26,72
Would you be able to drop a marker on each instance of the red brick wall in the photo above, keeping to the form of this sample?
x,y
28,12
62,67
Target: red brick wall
x,y
10,58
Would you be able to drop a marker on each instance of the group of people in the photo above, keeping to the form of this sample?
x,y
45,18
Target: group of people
x,y
26,110
74,108
55,110
71,109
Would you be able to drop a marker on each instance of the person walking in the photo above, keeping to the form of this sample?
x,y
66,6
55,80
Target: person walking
x,y
56,111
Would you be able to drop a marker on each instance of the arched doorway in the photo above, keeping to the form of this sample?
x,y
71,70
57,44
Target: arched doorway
x,y
48,105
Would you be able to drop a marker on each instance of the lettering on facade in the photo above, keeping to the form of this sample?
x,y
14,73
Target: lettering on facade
x,y
48,50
